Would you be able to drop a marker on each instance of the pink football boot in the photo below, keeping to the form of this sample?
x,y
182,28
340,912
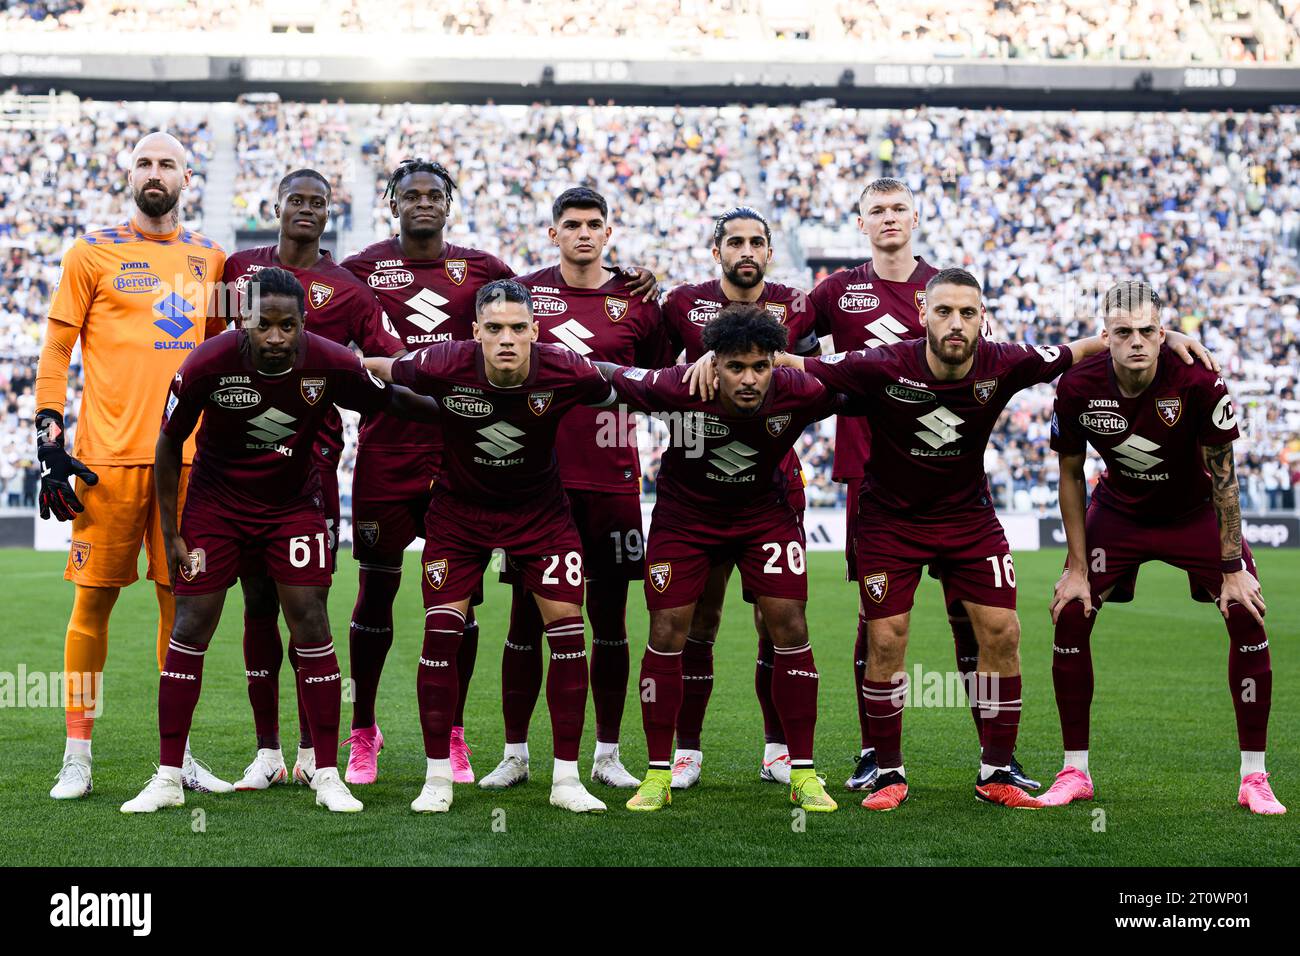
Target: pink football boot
x,y
1071,784
366,742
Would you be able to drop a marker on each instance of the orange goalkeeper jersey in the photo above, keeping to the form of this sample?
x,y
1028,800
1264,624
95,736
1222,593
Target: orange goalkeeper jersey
x,y
139,303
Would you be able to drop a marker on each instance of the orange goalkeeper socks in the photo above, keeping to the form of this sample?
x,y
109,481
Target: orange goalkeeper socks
x,y
85,649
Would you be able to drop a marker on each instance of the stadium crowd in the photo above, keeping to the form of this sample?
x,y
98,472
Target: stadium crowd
x,y
1047,208
1157,30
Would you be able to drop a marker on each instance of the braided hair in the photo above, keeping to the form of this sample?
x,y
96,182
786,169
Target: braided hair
x,y
408,167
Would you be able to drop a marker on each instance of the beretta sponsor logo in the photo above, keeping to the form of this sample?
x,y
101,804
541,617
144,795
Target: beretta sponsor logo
x,y
136,282
905,393
467,407
236,397
549,305
391,279
858,301
1104,423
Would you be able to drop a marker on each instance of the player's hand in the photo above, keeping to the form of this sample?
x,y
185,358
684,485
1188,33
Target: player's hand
x,y
58,469
380,368
1242,587
786,360
641,282
1073,586
701,378
1190,350
179,559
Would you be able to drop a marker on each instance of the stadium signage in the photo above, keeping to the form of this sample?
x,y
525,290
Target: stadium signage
x,y
1274,534
549,305
391,279
136,282
858,302
236,397
467,407
905,393
1104,423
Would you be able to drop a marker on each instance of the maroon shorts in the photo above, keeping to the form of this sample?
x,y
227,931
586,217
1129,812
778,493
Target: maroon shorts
x,y
292,548
251,563
852,487
969,552
1118,546
613,541
540,540
768,548
390,499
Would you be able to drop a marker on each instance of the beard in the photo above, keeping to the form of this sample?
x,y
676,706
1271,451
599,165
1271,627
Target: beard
x,y
742,282
947,357
153,205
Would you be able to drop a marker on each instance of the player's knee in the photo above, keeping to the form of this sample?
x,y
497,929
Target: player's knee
x,y
192,627
667,633
1001,638
260,600
705,622
310,623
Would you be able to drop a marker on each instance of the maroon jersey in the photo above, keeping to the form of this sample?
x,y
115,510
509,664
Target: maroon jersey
x,y
338,308
1151,443
727,462
255,444
928,435
500,442
427,301
606,325
860,310
689,308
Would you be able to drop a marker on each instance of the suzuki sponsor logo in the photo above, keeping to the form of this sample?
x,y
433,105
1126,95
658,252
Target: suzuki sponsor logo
x,y
573,335
500,439
1135,452
734,458
942,428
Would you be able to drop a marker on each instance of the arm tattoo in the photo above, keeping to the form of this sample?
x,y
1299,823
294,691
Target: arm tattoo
x,y
1227,501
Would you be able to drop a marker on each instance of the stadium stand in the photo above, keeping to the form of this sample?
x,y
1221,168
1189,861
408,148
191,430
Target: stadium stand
x,y
1048,208
1089,30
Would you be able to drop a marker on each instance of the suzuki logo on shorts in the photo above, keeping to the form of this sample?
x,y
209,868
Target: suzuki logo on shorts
x,y
571,335
500,439
271,426
1134,452
427,316
943,427
733,458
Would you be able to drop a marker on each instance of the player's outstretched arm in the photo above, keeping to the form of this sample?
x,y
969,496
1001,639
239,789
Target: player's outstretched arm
x,y
167,478
380,368
405,403
1073,585
1239,585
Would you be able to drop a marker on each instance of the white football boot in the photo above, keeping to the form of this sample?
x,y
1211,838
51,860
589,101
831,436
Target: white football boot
x,y
510,772
162,790
609,770
686,768
570,794
74,778
332,793
197,776
266,769
304,768
435,797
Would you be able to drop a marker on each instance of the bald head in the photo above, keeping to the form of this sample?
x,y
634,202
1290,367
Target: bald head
x,y
159,171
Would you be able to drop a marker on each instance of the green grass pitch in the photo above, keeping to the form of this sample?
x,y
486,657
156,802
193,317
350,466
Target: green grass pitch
x,y
1164,751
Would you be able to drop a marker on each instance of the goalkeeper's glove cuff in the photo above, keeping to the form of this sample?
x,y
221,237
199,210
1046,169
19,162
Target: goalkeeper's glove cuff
x,y
49,427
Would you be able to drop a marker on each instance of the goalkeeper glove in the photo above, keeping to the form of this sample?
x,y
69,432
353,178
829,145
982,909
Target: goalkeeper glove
x,y
57,469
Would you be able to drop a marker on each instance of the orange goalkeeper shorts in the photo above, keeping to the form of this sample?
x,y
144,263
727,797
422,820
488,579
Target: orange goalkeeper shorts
x,y
121,514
